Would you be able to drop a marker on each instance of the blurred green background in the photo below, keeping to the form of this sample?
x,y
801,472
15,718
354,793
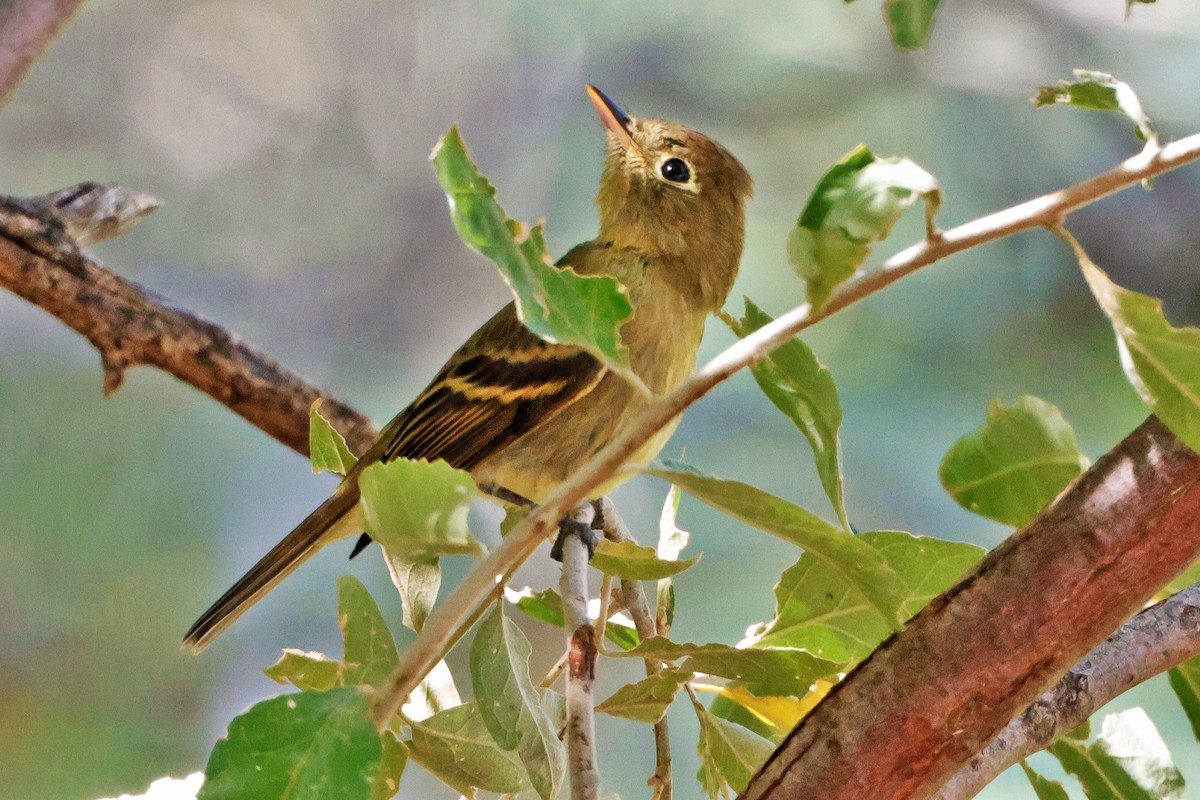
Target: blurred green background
x,y
288,141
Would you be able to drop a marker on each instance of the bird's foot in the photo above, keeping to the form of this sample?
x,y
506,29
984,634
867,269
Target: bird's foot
x,y
575,527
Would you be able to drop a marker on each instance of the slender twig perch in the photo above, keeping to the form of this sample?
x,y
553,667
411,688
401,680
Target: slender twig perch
x,y
581,663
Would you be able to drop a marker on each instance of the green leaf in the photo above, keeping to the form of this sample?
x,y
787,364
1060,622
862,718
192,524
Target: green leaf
x,y
509,703
1013,466
456,747
731,751
910,21
1185,681
854,205
803,389
418,509
860,565
326,447
557,304
1044,788
305,746
546,606
631,561
310,671
648,699
816,609
417,581
1161,361
391,768
1128,761
369,651
767,671
733,711
1099,91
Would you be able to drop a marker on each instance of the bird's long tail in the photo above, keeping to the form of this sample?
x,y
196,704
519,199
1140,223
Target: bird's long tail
x,y
336,518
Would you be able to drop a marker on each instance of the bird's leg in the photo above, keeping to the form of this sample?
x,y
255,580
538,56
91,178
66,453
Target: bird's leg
x,y
581,523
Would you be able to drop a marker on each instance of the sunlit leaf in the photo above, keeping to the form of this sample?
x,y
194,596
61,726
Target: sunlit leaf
x,y
671,541
417,581
434,694
1012,467
1044,788
646,700
1128,761
773,716
305,670
1161,361
556,304
546,606
418,509
510,705
631,561
860,565
762,670
326,447
1185,681
816,609
456,747
733,752
910,21
369,651
305,746
803,389
1099,91
854,205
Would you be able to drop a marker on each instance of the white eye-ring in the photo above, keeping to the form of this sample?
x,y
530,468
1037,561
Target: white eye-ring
x,y
676,171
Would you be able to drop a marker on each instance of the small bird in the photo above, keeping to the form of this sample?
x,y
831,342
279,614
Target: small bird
x,y
521,414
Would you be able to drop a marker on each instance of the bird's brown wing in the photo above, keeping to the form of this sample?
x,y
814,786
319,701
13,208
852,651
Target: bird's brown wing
x,y
501,384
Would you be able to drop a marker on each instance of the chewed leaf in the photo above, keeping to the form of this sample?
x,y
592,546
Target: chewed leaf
x,y
557,304
1012,467
305,670
1099,91
855,204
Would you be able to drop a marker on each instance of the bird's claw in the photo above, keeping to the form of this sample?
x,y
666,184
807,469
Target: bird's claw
x,y
573,527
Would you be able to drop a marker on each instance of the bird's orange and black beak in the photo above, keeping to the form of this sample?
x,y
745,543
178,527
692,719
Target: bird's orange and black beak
x,y
615,120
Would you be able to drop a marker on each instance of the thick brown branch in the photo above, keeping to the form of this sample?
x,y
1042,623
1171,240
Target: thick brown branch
x,y
932,697
1154,641
128,325
26,28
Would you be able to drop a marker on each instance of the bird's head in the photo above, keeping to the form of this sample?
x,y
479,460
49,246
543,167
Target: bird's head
x,y
670,190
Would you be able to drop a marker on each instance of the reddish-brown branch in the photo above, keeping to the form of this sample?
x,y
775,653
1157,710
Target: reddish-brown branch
x,y
933,696
26,28
129,325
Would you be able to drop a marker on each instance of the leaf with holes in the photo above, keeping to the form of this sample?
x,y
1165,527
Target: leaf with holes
x,y
305,746
555,303
1099,91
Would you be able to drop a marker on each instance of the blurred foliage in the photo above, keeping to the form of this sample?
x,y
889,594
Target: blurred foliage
x,y
289,142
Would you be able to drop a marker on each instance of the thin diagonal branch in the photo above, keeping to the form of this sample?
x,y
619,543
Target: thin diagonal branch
x,y
26,28
40,260
1159,638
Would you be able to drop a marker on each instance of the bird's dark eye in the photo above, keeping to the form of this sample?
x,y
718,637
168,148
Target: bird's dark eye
x,y
675,170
